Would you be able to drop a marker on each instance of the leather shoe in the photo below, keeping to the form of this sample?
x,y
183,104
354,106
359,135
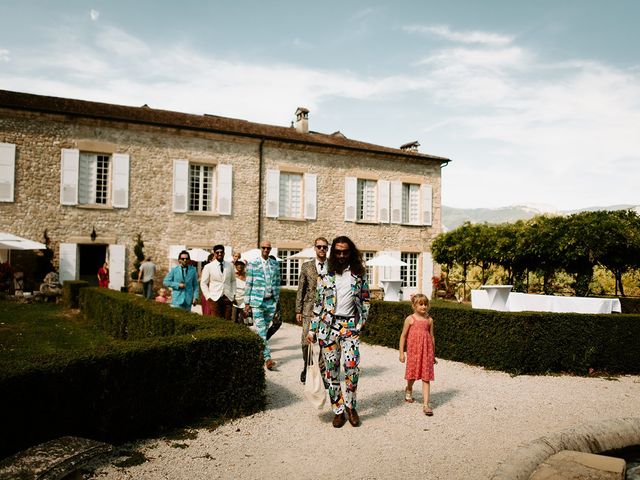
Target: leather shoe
x,y
270,364
303,376
353,417
339,420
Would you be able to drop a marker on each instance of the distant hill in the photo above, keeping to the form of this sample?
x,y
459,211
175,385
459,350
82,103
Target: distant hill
x,y
454,217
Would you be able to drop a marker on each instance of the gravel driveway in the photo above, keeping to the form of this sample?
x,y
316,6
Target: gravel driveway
x,y
480,417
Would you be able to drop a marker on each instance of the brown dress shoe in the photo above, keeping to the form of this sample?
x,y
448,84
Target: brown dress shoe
x,y
354,419
339,420
270,364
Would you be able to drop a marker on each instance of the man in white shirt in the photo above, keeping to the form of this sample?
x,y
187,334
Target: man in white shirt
x,y
218,284
306,296
340,311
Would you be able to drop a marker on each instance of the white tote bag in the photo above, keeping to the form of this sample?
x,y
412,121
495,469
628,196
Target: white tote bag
x,y
314,386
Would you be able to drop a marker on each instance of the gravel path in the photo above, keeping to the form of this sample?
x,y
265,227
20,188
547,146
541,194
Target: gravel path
x,y
480,417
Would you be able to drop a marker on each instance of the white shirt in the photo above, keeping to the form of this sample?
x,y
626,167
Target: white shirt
x,y
323,270
345,304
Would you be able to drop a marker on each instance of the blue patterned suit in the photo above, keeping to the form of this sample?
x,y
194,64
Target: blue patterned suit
x,y
261,293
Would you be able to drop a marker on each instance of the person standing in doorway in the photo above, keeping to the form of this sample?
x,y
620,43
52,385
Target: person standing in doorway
x,y
261,295
218,283
145,275
340,312
183,281
306,296
103,276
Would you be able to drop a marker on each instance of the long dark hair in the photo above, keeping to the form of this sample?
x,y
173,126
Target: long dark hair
x,y
356,265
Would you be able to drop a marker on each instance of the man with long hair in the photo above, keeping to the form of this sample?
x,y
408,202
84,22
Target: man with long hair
x,y
340,311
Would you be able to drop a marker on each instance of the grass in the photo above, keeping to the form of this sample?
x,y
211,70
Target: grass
x,y
30,333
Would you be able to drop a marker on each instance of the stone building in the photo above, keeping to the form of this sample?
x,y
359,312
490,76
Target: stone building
x,y
94,175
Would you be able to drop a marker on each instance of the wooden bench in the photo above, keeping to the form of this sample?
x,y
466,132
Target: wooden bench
x,y
53,460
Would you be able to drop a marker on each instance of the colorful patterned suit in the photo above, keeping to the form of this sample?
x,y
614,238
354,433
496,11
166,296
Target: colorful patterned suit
x,y
339,338
256,295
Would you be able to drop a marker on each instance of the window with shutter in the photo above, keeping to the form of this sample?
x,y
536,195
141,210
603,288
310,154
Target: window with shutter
x,y
366,200
409,273
410,203
290,195
7,171
201,188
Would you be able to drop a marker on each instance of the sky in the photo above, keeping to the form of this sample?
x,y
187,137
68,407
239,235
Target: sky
x,y
535,102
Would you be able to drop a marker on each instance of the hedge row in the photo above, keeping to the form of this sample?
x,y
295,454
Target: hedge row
x,y
187,367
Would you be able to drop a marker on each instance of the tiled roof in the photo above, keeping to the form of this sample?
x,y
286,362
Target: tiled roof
x,y
209,123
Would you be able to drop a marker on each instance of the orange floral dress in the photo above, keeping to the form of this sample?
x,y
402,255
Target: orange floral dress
x,y
420,354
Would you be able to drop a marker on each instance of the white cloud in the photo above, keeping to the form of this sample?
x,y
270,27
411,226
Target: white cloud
x,y
4,55
94,14
474,36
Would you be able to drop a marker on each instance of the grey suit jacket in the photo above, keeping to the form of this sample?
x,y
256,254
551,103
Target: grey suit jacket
x,y
306,295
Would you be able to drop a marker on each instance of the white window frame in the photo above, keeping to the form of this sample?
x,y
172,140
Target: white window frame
x,y
366,200
411,203
289,267
409,273
204,175
95,168
366,256
221,191
278,200
290,195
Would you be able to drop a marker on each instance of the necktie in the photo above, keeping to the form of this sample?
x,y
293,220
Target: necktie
x,y
221,267
320,266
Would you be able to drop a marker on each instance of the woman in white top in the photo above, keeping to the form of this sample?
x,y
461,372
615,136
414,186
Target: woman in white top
x,y
238,301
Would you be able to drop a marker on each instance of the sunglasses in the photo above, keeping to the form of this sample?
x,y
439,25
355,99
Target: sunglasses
x,y
218,252
341,253
322,247
265,248
184,258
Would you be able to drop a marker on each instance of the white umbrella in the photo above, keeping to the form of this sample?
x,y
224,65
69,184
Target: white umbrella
x,y
13,242
253,254
385,261
306,253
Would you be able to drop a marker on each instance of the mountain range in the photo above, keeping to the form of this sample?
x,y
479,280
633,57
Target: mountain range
x,y
454,217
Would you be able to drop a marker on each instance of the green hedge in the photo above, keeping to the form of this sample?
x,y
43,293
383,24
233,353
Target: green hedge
x,y
519,342
186,367
71,292
630,304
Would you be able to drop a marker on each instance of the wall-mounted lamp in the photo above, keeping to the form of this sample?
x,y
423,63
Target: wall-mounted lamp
x,y
93,234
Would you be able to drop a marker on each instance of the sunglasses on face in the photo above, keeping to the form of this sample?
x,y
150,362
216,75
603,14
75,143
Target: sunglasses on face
x,y
219,252
265,248
184,258
322,247
341,253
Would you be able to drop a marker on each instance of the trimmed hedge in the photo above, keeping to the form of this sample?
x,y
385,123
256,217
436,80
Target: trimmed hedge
x,y
71,292
175,367
519,342
630,304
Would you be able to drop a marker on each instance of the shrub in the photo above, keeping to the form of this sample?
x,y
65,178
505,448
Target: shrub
x,y
71,292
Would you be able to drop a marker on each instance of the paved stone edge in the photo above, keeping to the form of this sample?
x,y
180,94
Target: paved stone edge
x,y
589,438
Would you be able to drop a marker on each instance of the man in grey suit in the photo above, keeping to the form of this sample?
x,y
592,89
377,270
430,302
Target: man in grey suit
x,y
306,295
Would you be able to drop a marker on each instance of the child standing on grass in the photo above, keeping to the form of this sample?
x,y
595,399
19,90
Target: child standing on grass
x,y
417,336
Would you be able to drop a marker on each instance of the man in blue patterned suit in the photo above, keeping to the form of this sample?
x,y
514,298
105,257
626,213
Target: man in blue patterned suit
x,y
261,295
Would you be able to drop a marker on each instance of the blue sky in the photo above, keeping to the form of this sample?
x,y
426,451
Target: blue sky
x,y
536,103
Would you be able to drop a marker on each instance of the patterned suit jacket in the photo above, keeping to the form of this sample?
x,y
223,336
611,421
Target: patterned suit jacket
x,y
180,296
325,305
255,286
306,296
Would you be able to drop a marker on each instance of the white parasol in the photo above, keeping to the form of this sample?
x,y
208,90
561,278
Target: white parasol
x,y
254,254
9,241
383,260
198,254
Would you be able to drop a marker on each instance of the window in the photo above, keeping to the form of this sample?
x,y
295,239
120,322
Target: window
x,y
411,203
289,268
366,256
409,273
291,195
200,188
366,200
290,205
93,179
7,171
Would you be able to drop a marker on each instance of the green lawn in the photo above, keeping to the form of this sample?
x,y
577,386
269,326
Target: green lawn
x,y
34,332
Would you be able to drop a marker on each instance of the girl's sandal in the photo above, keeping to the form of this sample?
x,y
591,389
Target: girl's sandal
x,y
427,411
407,396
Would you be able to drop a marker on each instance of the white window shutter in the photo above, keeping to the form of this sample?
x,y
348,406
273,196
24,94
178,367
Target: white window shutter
x,y
70,163
228,252
427,274
396,202
225,189
426,192
68,262
7,171
383,201
350,198
117,270
120,190
310,201
273,193
180,185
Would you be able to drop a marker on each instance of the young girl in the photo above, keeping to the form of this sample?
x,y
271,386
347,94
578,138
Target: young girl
x,y
163,295
417,335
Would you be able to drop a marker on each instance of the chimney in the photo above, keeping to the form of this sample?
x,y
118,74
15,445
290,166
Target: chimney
x,y
302,120
411,146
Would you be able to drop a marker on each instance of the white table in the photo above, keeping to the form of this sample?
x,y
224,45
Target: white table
x,y
520,302
497,296
391,290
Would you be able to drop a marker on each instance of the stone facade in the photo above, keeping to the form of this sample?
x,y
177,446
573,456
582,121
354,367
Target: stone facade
x,y
40,136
